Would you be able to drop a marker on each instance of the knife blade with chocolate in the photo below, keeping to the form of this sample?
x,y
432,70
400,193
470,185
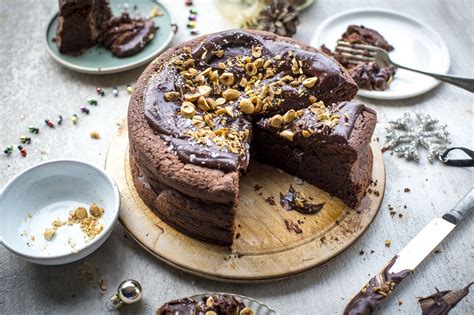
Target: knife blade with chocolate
x,y
381,286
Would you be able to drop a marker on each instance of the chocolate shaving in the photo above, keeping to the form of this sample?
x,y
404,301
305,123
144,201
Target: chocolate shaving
x,y
441,302
296,201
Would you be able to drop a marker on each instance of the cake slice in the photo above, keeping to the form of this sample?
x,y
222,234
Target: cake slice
x,y
219,304
326,146
80,23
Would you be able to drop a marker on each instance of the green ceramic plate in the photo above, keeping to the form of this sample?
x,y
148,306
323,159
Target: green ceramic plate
x,y
98,60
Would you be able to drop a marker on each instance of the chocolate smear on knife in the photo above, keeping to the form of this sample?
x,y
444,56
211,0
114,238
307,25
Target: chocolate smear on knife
x,y
297,201
375,291
441,302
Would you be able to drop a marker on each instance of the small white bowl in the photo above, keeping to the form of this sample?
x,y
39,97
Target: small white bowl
x,y
32,200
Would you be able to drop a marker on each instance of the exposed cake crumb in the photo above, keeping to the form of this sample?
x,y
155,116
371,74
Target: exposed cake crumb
x,y
271,201
292,226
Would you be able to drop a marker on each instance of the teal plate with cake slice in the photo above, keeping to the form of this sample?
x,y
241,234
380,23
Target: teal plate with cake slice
x,y
98,60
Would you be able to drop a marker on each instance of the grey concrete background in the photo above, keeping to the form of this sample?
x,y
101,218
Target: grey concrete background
x,y
34,87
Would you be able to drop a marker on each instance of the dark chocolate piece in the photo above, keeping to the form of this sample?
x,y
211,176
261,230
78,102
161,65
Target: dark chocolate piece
x,y
221,304
296,201
361,35
441,302
375,291
292,226
369,76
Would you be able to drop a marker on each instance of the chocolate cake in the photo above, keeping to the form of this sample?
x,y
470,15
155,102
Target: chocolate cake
x,y
219,304
367,75
80,23
202,109
84,23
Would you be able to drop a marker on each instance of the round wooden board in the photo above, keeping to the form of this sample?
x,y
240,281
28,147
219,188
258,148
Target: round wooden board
x,y
266,249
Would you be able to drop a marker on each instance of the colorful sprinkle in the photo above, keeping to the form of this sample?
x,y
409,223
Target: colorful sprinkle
x,y
60,119
100,91
193,11
191,24
115,91
192,17
22,151
85,110
25,139
74,119
188,2
49,123
195,32
8,150
33,130
91,101
129,89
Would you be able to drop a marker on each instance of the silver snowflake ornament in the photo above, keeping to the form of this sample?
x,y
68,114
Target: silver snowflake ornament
x,y
407,135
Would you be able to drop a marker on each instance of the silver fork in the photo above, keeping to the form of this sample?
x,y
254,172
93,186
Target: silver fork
x,y
356,53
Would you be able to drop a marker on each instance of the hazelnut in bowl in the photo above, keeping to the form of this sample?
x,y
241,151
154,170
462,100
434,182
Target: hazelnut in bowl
x,y
58,211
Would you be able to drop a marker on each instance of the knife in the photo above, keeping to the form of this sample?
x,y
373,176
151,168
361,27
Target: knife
x,y
401,265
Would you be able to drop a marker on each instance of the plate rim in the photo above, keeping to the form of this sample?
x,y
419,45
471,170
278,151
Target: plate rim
x,y
109,70
379,94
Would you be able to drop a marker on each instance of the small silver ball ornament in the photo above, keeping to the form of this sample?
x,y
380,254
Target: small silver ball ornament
x,y
129,292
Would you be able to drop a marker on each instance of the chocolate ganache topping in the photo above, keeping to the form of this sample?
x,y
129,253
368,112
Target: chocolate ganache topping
x,y
375,291
203,102
213,304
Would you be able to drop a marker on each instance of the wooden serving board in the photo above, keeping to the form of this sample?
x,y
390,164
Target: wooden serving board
x,y
266,249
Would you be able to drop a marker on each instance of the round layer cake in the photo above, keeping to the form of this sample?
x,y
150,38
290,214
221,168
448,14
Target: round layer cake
x,y
202,110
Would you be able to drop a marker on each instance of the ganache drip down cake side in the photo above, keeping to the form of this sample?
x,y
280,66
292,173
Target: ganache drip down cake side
x,y
202,110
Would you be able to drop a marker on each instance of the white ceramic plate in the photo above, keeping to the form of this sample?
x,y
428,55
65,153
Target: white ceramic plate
x,y
416,45
258,307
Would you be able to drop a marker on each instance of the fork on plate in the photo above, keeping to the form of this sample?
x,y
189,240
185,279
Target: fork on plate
x,y
357,53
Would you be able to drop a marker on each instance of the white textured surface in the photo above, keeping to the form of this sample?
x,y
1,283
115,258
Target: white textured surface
x,y
34,87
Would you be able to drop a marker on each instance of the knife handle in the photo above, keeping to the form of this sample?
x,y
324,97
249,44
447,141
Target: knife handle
x,y
461,209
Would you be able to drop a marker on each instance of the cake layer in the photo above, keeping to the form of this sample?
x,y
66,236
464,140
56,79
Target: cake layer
x,y
206,221
328,147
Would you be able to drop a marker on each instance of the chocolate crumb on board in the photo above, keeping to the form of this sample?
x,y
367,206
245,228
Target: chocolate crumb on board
x,y
292,226
237,235
361,252
407,190
271,200
257,187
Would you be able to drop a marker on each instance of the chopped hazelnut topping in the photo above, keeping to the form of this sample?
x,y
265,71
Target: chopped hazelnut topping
x,y
227,79
188,109
276,121
251,68
289,116
204,90
231,94
210,301
218,53
172,96
246,106
210,313
287,134
256,51
310,82
246,311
